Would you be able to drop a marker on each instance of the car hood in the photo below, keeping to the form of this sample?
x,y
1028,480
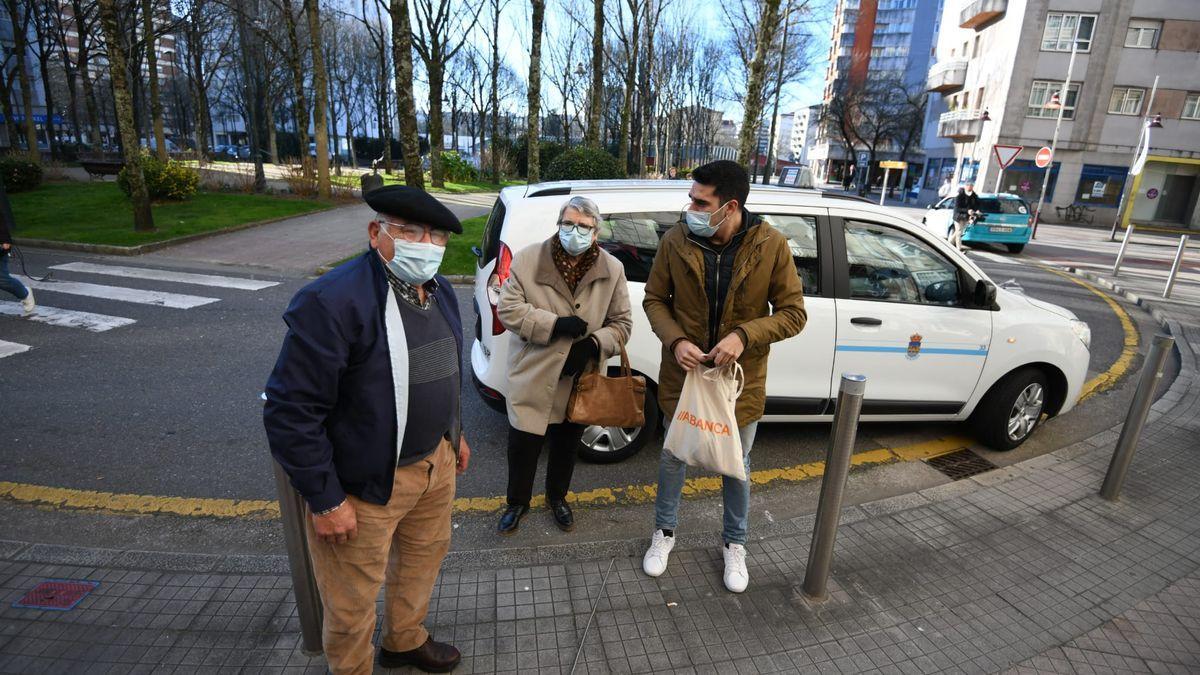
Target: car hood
x,y
1018,296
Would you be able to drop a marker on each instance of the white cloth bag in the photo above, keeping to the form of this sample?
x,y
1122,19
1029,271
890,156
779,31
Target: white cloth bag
x,y
704,430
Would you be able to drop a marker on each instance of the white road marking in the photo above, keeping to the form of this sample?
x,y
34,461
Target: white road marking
x,y
158,298
10,348
69,318
167,275
995,257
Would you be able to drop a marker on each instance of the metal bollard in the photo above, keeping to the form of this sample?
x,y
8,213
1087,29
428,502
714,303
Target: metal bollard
x,y
833,485
1183,241
304,583
1121,254
1139,408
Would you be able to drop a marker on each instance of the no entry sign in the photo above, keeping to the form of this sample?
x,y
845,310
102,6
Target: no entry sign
x,y
1042,159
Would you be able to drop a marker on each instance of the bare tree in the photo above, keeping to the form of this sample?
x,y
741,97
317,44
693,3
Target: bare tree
x,y
410,144
631,43
596,91
754,103
20,13
312,13
533,130
143,220
156,112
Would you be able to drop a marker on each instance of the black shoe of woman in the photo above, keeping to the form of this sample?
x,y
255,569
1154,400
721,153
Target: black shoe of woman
x,y
511,520
562,515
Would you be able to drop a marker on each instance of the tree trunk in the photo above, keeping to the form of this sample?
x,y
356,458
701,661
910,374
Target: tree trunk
x,y
10,120
272,144
406,109
754,90
20,42
44,69
156,111
596,102
385,128
295,59
627,104
496,178
321,87
436,127
349,133
533,129
778,90
143,221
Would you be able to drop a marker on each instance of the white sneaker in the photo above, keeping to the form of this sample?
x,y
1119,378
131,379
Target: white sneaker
x,y
28,304
736,576
654,563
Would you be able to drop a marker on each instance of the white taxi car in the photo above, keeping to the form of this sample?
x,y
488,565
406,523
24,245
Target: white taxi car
x,y
936,339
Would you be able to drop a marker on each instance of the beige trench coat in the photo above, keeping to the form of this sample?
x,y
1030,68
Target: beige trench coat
x,y
534,296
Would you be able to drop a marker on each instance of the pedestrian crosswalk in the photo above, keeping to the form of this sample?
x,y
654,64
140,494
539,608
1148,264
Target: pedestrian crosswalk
x,y
65,289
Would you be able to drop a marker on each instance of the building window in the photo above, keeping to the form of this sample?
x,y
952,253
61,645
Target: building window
x,y
1191,107
1100,185
1143,33
1062,29
1126,101
975,53
1042,91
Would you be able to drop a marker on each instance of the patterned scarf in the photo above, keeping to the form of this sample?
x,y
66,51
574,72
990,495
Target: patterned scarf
x,y
571,268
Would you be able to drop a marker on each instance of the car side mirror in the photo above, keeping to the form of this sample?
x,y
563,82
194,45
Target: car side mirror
x,y
985,293
942,291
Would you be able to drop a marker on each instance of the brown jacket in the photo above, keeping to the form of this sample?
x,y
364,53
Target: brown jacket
x,y
764,279
534,296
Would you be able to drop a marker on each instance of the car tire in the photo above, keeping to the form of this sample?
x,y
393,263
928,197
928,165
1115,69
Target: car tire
x,y
1015,248
1010,412
608,445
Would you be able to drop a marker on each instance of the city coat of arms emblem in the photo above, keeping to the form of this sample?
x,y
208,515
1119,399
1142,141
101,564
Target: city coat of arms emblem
x,y
914,346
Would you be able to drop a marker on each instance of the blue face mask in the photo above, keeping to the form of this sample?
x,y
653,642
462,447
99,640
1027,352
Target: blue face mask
x,y
700,222
414,262
573,242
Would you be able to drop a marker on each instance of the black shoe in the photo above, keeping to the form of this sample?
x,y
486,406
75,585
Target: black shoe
x,y
431,657
562,515
511,520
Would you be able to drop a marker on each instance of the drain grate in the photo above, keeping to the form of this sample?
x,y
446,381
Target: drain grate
x,y
960,464
57,594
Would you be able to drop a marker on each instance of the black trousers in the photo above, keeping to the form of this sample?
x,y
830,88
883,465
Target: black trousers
x,y
523,451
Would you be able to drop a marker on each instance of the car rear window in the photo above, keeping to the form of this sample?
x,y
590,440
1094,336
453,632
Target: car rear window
x,y
993,205
632,238
491,233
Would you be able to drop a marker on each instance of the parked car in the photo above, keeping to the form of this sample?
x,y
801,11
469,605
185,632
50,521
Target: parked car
x,y
937,340
1005,220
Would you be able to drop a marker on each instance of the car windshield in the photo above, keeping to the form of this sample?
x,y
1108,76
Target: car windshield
x,y
994,205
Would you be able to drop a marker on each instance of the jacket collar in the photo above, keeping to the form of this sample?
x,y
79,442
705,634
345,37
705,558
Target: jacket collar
x,y
547,274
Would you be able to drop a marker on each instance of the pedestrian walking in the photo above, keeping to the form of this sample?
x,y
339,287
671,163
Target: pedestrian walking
x,y
8,282
566,305
966,207
722,288
947,188
363,413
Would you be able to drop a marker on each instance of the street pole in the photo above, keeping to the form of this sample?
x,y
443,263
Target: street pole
x,y
1136,149
999,176
883,192
1037,213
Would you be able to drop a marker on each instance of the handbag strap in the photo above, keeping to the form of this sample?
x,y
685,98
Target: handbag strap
x,y
740,376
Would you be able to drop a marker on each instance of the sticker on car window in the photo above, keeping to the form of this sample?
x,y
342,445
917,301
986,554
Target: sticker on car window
x,y
1022,209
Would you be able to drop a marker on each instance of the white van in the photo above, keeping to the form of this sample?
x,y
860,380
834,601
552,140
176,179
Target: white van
x,y
936,339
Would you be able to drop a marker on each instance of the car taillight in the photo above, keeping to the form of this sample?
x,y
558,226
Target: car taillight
x,y
499,276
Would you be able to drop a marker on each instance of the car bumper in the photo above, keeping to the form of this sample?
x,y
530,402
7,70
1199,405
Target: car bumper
x,y
984,234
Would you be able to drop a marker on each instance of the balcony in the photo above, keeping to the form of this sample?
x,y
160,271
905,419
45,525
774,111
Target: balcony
x,y
961,126
978,13
947,76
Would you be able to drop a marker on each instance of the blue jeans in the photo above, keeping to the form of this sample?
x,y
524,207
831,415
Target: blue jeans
x,y
8,282
734,493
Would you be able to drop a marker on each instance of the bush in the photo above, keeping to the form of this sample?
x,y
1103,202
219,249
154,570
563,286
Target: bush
x,y
164,180
583,163
457,169
19,174
548,151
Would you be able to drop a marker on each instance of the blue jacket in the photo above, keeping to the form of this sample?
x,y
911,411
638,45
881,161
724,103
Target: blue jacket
x,y
330,414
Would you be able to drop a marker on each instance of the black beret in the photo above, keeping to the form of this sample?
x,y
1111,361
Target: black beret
x,y
413,205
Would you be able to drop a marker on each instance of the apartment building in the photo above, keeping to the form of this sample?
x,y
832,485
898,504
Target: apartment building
x,y
1001,67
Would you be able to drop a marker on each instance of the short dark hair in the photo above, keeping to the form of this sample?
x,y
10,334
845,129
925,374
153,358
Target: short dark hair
x,y
728,179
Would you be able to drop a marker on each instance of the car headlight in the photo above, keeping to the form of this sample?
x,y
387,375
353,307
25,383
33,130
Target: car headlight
x,y
1083,332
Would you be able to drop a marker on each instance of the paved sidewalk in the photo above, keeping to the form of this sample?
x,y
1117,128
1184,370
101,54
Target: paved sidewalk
x,y
1023,568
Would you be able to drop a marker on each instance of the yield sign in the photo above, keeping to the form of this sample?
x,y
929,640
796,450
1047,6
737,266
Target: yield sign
x,y
1005,154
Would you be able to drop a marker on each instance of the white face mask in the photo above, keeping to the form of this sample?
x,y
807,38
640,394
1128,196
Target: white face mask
x,y
413,261
700,222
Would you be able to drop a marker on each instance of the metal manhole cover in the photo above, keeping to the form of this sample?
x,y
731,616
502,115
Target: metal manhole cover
x,y
960,464
57,594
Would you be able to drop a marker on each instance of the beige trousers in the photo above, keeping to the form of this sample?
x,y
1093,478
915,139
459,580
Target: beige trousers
x,y
402,543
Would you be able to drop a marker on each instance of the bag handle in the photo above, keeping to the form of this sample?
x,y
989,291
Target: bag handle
x,y
626,369
740,376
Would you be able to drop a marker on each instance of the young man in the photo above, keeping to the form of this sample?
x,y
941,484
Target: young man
x,y
363,413
722,288
966,204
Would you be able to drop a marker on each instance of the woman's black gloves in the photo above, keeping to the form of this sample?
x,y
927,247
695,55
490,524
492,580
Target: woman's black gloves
x,y
569,326
581,354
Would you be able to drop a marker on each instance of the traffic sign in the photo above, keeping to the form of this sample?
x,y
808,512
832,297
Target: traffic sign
x,y
1005,154
1042,159
893,165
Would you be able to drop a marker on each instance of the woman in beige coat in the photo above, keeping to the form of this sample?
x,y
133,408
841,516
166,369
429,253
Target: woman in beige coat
x,y
567,305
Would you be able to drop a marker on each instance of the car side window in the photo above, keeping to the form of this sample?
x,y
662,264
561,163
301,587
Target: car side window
x,y
632,238
801,233
889,265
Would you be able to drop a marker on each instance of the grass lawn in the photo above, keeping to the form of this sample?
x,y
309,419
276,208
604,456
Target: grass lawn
x,y
351,180
458,259
99,213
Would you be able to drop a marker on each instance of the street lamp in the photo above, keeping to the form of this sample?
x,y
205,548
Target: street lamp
x,y
1056,102
1140,150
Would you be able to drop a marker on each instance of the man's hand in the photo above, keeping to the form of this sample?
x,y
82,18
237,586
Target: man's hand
x,y
464,456
337,527
727,350
688,355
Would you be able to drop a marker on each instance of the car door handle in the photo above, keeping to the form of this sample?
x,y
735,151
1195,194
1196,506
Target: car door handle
x,y
866,321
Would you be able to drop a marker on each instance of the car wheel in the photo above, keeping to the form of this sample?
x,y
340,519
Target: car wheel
x,y
1015,248
1009,413
606,445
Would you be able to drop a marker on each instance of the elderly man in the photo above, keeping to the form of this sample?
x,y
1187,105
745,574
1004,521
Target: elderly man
x,y
363,413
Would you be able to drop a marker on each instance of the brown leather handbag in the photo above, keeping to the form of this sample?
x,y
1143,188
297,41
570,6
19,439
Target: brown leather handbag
x,y
609,401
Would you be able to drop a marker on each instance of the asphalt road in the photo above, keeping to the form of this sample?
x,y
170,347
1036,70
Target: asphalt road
x,y
170,405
